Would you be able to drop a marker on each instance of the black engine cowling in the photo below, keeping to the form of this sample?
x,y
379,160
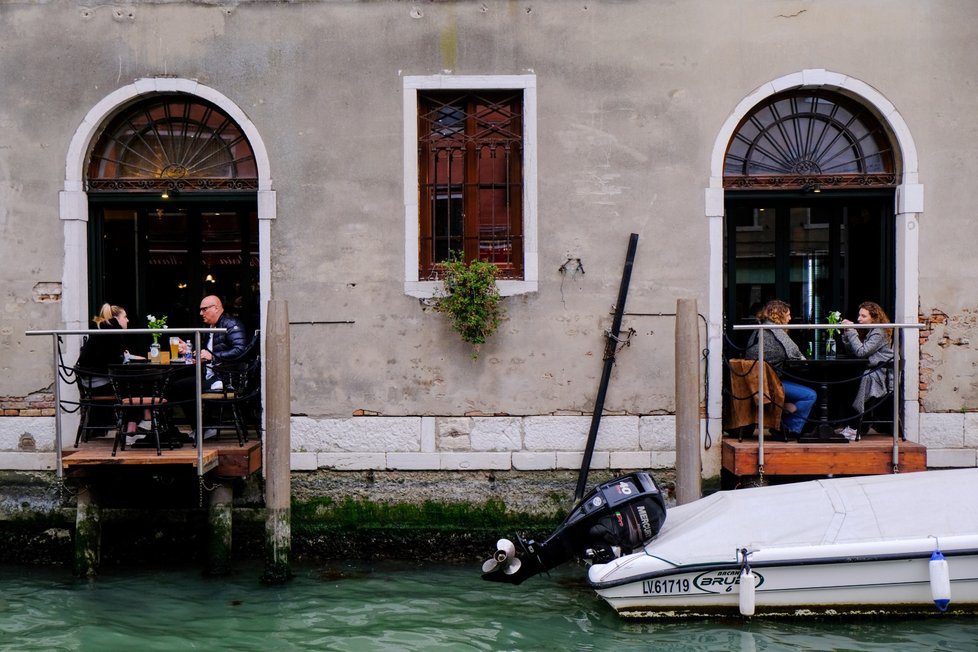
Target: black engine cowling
x,y
615,518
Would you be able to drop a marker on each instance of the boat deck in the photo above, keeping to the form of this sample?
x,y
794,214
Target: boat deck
x,y
871,455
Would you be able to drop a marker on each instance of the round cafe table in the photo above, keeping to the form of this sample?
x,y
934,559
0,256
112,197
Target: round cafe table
x,y
836,380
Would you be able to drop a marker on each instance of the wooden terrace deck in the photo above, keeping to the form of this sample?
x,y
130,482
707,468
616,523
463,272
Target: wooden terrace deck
x,y
872,455
223,457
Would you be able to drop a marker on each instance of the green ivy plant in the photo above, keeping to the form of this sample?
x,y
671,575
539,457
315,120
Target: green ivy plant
x,y
471,300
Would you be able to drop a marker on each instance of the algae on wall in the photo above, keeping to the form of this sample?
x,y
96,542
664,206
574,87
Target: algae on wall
x,y
445,515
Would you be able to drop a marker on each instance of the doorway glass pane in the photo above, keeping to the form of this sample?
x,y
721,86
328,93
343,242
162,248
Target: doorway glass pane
x,y
167,261
162,260
798,250
754,265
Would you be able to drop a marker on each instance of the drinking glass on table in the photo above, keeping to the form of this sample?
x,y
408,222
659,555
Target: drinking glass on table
x,y
174,348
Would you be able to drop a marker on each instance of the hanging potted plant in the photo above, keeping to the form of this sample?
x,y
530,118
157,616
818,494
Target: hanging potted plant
x,y
471,299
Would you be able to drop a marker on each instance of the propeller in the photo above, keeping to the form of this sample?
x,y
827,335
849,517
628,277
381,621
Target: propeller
x,y
504,558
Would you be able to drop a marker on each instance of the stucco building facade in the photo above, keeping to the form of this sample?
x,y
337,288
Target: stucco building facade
x,y
627,112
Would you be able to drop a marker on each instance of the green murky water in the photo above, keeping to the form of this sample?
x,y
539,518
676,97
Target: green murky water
x,y
391,606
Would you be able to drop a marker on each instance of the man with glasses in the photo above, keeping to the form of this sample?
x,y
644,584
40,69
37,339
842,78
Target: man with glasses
x,y
226,346
221,346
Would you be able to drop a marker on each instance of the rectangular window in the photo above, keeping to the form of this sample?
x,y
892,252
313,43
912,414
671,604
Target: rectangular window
x,y
470,165
470,178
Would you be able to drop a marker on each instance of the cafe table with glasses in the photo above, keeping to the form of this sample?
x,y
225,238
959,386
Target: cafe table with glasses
x,y
142,394
147,384
836,380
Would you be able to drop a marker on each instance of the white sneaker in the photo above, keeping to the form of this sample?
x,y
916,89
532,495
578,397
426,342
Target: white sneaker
x,y
210,433
849,433
145,424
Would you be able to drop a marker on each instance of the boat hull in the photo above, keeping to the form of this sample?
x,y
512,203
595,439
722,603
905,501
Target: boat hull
x,y
850,579
848,546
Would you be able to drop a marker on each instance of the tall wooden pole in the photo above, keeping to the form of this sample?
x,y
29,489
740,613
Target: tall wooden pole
x,y
278,478
688,463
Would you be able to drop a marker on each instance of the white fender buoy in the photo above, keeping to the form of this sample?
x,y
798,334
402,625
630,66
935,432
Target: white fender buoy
x,y
747,587
940,580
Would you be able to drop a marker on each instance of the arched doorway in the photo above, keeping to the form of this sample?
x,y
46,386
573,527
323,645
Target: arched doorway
x,y
172,211
809,178
74,199
906,212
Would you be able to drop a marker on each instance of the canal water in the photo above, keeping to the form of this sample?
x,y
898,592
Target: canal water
x,y
393,606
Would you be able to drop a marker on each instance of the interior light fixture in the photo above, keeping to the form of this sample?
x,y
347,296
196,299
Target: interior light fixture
x,y
210,279
165,195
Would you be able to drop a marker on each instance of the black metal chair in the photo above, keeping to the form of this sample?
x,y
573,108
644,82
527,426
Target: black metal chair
x,y
140,388
96,404
238,403
878,412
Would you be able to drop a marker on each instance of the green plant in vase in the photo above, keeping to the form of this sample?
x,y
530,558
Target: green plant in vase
x,y
472,299
156,323
834,317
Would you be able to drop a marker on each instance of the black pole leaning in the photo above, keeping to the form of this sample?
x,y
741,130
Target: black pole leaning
x,y
610,348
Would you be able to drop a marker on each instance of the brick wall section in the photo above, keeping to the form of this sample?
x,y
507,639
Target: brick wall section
x,y
927,363
38,404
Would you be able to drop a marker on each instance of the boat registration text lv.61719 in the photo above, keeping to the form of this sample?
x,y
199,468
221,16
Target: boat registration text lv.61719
x,y
666,586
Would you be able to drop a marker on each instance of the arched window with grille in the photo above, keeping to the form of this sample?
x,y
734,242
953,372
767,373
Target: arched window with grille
x,y
172,186
172,142
800,140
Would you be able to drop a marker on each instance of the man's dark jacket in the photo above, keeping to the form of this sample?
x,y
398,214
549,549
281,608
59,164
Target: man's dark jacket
x,y
229,345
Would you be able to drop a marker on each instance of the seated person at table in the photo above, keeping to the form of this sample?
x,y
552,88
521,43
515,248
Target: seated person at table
x,y
97,353
877,346
219,346
778,347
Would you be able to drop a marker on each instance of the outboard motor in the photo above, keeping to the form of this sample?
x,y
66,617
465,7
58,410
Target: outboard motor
x,y
615,518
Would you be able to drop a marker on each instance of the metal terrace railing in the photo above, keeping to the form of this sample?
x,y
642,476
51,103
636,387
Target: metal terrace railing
x,y
897,348
57,363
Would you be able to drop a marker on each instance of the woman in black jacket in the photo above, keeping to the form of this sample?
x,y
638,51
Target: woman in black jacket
x,y
98,352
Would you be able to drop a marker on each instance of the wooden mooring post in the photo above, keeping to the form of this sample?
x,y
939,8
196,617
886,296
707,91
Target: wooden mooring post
x,y
278,478
88,533
688,463
219,508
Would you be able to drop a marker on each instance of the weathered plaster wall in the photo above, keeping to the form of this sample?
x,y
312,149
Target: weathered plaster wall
x,y
630,98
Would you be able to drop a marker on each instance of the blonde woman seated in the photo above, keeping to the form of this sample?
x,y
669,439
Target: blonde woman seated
x,y
877,346
778,347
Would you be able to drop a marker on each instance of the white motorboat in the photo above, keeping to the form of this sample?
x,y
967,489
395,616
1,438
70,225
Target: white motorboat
x,y
905,543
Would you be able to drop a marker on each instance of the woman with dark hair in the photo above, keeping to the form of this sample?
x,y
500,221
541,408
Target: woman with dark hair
x,y
876,345
778,347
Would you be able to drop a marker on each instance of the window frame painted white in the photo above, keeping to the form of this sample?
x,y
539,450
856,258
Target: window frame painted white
x,y
413,285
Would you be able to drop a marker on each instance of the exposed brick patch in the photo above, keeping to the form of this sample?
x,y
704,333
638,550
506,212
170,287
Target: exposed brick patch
x,y
946,332
38,404
933,322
